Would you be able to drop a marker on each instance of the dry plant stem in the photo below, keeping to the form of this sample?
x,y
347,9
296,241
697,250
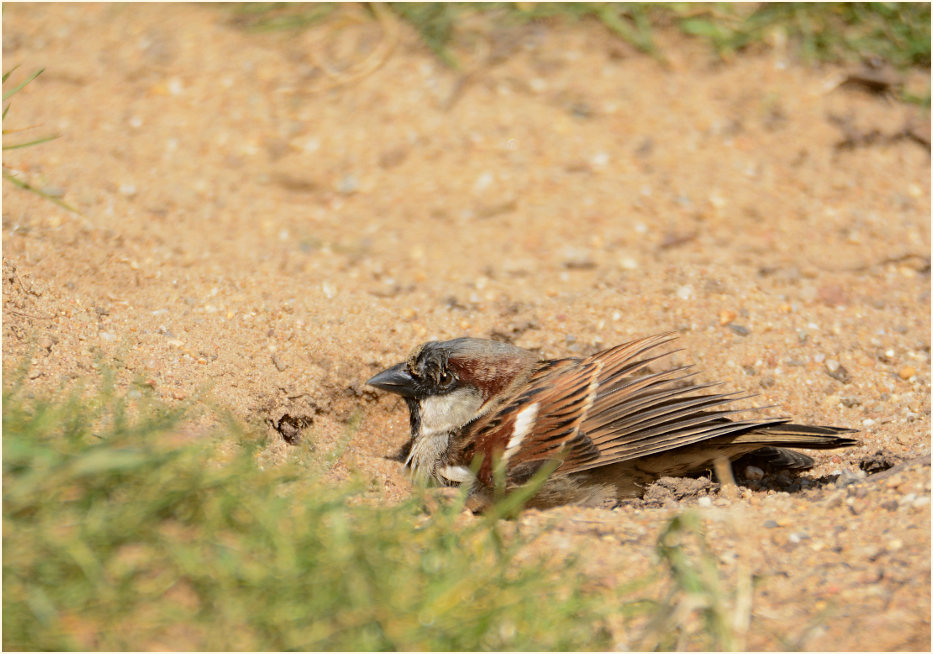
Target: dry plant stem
x,y
390,35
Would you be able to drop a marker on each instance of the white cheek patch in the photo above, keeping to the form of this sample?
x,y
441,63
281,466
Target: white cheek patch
x,y
524,422
442,414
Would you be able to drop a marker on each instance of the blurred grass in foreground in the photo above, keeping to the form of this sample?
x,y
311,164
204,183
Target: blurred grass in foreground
x,y
855,33
114,539
125,530
898,33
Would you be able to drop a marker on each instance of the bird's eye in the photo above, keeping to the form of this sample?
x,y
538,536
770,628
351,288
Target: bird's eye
x,y
445,379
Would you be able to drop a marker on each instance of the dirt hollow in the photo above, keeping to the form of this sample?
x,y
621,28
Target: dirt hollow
x,y
269,219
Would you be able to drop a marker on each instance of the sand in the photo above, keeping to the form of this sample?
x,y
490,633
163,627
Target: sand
x,y
266,220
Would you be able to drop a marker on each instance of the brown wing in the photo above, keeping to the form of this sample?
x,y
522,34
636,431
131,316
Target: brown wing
x,y
600,410
559,385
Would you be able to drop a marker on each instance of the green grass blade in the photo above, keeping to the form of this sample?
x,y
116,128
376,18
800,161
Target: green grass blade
x,y
7,74
32,189
19,87
28,144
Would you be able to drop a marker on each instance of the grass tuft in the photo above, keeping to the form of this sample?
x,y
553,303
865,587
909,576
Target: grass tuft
x,y
898,33
701,611
122,533
125,529
855,33
8,174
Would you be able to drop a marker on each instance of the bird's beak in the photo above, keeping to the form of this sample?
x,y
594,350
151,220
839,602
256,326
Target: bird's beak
x,y
396,379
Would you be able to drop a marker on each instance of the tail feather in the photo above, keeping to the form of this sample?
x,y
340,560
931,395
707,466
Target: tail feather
x,y
812,437
774,458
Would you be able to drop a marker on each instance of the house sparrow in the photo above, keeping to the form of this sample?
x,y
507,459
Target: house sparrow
x,y
484,410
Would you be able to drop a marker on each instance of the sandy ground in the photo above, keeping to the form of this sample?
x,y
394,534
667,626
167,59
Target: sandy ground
x,y
269,219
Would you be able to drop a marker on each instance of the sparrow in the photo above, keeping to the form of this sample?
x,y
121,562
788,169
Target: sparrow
x,y
485,412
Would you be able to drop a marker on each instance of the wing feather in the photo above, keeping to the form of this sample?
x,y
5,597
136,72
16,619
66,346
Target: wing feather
x,y
603,409
565,387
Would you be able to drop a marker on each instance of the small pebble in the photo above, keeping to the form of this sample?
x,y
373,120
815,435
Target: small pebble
x,y
909,498
107,337
831,294
578,258
770,524
837,371
348,184
628,263
706,500
847,477
599,160
754,473
175,87
717,199
739,330
726,316
907,372
483,182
